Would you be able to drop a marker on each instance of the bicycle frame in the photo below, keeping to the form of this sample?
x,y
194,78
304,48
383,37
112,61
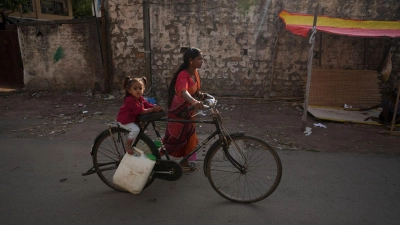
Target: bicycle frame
x,y
216,120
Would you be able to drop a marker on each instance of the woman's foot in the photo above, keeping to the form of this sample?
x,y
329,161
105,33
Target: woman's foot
x,y
185,164
188,166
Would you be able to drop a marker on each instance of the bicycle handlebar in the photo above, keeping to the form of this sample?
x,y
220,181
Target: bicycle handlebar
x,y
209,102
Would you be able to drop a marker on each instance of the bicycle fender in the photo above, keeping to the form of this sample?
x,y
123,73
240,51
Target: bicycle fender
x,y
214,146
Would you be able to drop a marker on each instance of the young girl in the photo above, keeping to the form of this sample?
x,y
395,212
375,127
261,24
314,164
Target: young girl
x,y
134,105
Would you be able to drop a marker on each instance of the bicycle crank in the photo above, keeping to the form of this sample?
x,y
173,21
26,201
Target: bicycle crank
x,y
167,170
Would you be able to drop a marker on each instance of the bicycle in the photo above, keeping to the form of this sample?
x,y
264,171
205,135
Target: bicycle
x,y
240,168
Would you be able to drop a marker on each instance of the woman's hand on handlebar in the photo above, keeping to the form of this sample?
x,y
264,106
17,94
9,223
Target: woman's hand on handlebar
x,y
198,105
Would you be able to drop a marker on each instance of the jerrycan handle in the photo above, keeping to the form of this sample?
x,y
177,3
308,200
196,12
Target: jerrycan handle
x,y
137,152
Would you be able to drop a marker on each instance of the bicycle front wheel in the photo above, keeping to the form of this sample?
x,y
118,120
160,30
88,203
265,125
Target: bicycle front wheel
x,y
108,151
261,174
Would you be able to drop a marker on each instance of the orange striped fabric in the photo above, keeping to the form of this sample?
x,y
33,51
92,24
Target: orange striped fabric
x,y
300,24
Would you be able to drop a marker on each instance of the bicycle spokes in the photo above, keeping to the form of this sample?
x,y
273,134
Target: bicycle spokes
x,y
235,155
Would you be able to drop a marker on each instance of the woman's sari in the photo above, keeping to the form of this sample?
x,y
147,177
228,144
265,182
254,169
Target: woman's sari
x,y
180,138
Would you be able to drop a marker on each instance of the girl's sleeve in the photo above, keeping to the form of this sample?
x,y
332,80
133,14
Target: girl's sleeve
x,y
182,82
134,107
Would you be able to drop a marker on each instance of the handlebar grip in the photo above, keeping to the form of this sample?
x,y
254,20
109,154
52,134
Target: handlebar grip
x,y
208,95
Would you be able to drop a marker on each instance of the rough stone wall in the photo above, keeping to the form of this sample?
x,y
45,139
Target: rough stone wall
x,y
246,49
61,55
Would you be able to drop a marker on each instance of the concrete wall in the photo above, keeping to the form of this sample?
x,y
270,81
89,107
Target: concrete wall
x,y
61,55
246,48
247,51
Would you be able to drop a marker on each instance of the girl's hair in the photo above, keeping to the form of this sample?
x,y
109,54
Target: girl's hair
x,y
128,81
190,53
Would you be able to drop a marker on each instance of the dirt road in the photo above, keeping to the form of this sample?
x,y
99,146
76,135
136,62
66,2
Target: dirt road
x,y
82,115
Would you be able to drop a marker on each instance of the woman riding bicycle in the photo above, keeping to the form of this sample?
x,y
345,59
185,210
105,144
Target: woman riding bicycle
x,y
180,138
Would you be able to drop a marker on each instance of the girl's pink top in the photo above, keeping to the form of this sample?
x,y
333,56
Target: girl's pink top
x,y
131,109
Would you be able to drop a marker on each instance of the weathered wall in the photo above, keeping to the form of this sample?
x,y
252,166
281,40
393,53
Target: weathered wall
x,y
247,51
61,55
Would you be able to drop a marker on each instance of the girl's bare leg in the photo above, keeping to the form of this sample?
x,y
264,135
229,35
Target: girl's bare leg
x,y
128,147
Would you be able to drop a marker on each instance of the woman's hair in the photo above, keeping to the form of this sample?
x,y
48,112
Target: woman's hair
x,y
128,81
190,53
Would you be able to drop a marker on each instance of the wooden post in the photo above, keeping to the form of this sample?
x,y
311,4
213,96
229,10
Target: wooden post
x,y
147,48
98,31
320,44
320,51
395,111
309,68
365,53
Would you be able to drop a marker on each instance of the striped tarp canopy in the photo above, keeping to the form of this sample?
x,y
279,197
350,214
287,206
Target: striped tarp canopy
x,y
300,24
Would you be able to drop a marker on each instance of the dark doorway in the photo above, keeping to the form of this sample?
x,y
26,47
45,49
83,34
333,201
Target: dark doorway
x,y
11,67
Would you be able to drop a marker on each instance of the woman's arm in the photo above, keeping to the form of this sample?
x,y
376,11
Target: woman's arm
x,y
196,104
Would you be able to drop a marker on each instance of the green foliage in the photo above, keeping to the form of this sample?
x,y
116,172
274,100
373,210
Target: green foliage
x,y
82,8
9,6
244,5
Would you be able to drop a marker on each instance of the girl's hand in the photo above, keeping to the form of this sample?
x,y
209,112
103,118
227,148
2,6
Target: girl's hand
x,y
157,108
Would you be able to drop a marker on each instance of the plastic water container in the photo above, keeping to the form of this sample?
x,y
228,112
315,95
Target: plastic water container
x,y
133,171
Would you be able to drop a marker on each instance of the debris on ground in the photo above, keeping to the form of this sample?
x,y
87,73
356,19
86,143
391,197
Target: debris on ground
x,y
50,115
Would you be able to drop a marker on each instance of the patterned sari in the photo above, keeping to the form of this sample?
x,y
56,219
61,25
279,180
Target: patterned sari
x,y
180,138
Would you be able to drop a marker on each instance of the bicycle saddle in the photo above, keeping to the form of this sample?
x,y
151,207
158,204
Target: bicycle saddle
x,y
152,116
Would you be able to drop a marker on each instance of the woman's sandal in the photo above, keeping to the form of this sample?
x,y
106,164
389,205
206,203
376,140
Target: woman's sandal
x,y
191,167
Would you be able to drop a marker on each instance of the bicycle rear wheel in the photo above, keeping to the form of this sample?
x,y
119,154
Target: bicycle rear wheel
x,y
256,182
108,151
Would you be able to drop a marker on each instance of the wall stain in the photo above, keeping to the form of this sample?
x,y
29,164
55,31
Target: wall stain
x,y
59,54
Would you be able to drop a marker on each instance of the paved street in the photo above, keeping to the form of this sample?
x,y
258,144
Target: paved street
x,y
41,183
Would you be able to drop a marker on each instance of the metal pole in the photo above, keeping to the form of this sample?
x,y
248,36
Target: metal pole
x,y
147,48
98,31
107,79
309,68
